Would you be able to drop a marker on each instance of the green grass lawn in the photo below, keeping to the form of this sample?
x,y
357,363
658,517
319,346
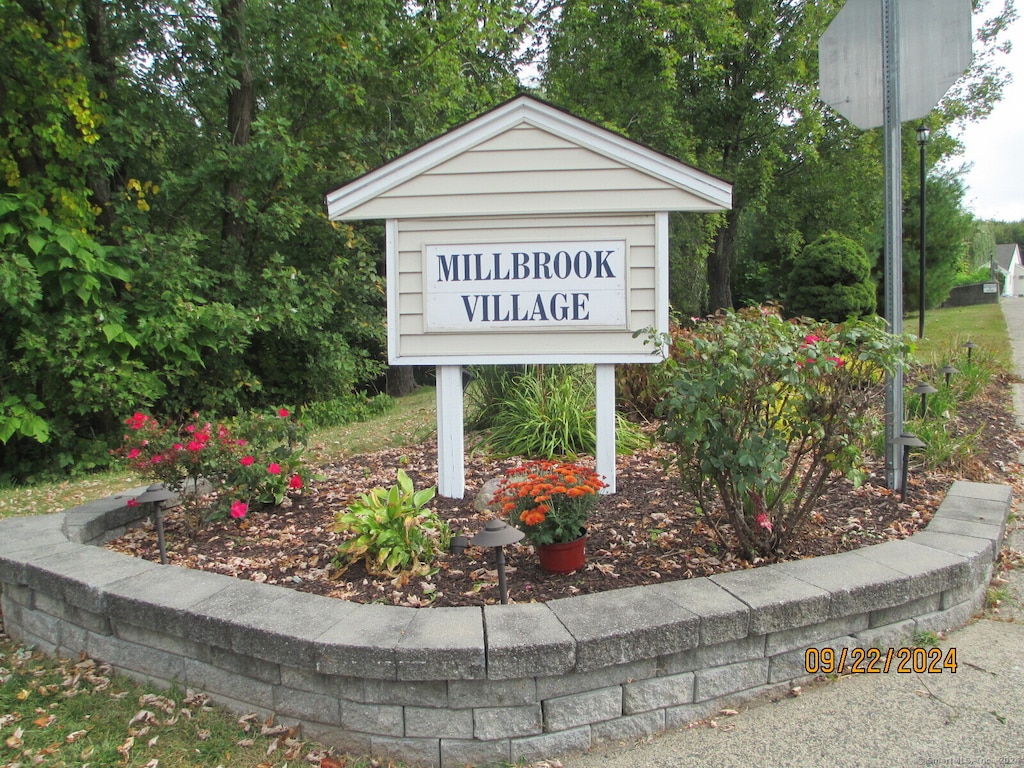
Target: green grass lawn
x,y
58,713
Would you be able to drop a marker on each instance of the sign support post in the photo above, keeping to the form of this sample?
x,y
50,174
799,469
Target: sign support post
x,y
451,450
606,424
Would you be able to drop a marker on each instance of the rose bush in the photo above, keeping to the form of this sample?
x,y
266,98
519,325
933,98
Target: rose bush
x,y
549,501
764,414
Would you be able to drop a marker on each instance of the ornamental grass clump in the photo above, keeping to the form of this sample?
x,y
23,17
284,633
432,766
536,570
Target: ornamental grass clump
x,y
765,415
549,501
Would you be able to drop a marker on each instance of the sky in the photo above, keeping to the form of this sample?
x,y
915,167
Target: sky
x,y
995,147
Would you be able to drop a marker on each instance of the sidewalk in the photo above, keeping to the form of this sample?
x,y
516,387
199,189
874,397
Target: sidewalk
x,y
974,717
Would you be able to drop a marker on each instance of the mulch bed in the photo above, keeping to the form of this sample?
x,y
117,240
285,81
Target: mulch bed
x,y
647,532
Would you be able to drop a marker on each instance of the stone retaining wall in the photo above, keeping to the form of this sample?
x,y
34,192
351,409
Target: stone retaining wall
x,y
455,686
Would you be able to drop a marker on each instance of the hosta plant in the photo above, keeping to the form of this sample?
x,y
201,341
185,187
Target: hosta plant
x,y
392,531
764,415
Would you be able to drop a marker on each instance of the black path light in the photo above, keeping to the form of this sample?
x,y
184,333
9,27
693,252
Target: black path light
x,y
948,370
970,346
496,534
908,441
924,390
156,495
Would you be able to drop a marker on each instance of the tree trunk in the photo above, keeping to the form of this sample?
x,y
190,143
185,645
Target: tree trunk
x,y
720,265
400,380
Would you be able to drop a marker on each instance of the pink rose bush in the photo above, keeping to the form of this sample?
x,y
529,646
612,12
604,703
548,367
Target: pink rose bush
x,y
228,469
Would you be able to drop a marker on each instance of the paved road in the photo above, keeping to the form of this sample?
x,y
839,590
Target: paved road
x,y
972,718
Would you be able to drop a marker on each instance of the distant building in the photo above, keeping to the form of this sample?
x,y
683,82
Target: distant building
x,y
1009,263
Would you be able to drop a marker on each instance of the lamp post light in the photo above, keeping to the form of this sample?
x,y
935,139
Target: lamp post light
x,y
155,495
922,139
496,534
924,390
971,346
948,370
908,441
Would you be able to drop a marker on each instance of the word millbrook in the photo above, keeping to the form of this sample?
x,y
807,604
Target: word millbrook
x,y
521,299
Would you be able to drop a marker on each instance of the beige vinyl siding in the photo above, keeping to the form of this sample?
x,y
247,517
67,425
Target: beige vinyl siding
x,y
527,171
414,234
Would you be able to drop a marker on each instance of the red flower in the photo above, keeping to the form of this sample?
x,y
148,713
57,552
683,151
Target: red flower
x,y
283,413
134,453
239,509
194,445
247,461
133,502
295,482
274,469
762,520
137,420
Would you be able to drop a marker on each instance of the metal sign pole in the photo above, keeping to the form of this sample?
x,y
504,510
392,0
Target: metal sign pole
x,y
893,234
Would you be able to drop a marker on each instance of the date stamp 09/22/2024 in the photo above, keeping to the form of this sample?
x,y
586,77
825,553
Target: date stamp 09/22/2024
x,y
827,661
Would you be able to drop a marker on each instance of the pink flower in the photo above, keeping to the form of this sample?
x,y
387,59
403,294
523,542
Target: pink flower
x,y
134,453
179,447
239,509
274,469
190,428
157,458
283,413
838,361
240,442
247,461
811,339
137,420
133,502
194,445
762,520
295,482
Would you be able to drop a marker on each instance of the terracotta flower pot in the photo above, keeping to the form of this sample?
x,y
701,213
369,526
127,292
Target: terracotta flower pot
x,y
563,558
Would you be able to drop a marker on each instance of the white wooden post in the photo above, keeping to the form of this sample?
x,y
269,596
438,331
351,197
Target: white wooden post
x,y
451,457
605,454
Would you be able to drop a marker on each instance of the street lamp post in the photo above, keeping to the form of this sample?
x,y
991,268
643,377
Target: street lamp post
x,y
922,138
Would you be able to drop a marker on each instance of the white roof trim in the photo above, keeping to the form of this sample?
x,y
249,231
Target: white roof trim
x,y
527,110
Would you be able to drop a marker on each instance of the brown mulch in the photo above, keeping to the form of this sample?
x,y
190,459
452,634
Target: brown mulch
x,y
647,532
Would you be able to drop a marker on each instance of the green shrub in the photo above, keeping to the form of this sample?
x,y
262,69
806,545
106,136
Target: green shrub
x,y
831,280
764,415
392,531
345,410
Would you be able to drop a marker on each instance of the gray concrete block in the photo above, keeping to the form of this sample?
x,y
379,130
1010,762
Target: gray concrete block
x,y
687,714
630,728
179,646
24,538
945,620
423,693
526,640
306,706
421,753
855,584
745,649
960,527
363,644
284,631
456,753
240,687
801,637
582,709
379,719
216,619
145,663
302,679
94,622
793,665
931,570
258,669
491,723
981,491
909,609
545,745
973,509
73,641
657,693
553,687
79,574
719,681
424,722
776,599
346,741
467,694
442,643
616,627
41,625
722,616
888,636
158,598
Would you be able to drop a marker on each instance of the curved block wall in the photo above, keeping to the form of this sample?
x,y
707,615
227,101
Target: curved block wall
x,y
445,687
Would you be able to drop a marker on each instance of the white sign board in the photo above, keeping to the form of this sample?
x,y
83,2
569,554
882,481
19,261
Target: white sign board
x,y
525,286
990,288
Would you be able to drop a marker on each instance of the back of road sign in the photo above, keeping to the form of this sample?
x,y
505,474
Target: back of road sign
x,y
935,49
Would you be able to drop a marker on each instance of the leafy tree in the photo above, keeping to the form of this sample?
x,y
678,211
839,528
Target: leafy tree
x,y
831,280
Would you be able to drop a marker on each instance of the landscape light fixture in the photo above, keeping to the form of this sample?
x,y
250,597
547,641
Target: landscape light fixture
x,y
923,135
948,370
908,441
156,495
495,535
924,390
971,346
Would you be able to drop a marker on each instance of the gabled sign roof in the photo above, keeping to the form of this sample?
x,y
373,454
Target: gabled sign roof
x,y
527,157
